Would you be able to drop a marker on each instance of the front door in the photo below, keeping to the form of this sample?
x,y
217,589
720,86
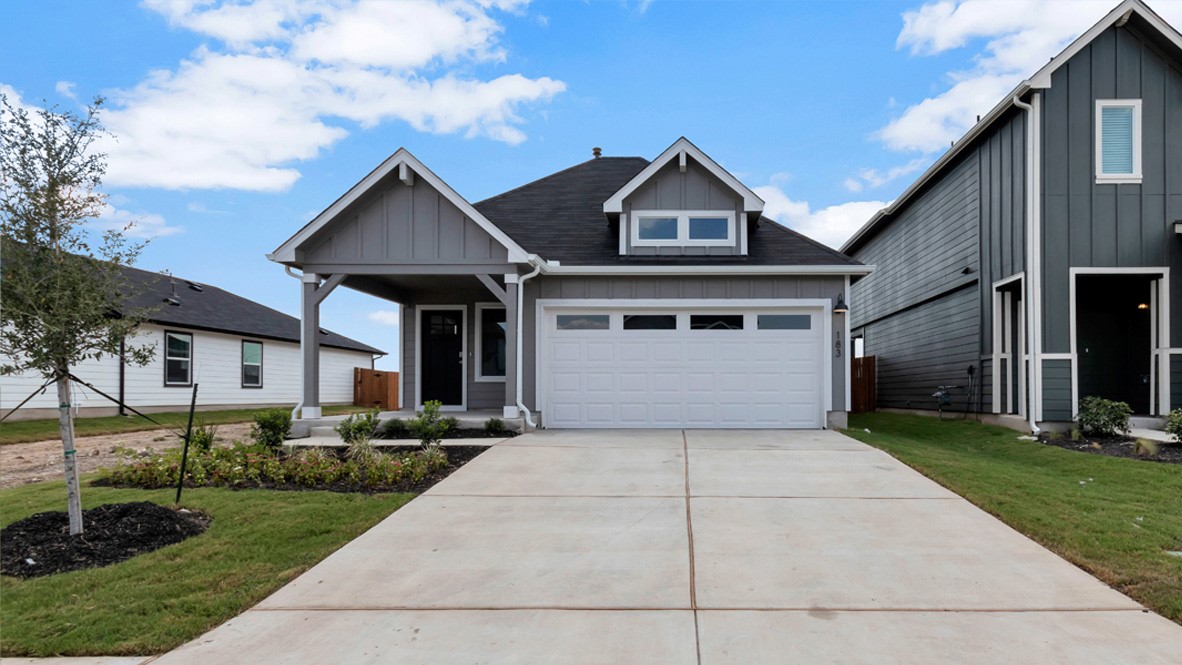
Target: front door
x,y
1113,329
442,348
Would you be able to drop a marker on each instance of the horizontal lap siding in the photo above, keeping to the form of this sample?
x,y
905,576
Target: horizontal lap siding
x,y
217,365
1056,390
920,349
1176,382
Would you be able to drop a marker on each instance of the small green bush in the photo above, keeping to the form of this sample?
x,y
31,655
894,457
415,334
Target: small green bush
x,y
271,428
395,428
495,426
358,427
428,427
450,424
1103,417
1174,424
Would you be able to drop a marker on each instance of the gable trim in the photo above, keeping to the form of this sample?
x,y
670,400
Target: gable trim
x,y
679,150
407,165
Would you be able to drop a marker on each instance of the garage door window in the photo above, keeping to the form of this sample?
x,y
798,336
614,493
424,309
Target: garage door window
x,y
716,322
582,321
650,322
785,322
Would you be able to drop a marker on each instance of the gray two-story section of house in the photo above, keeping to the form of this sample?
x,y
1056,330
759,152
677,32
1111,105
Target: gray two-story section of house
x,y
1042,250
616,293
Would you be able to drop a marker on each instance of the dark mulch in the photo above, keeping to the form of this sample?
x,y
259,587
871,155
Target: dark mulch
x,y
1121,446
42,545
475,433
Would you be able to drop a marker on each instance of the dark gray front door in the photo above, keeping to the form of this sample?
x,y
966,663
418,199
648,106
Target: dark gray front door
x,y
442,344
1113,323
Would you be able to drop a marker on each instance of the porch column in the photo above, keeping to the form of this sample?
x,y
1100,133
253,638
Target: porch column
x,y
310,345
511,332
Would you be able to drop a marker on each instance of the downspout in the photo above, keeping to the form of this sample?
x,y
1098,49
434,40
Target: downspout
x,y
537,263
295,412
1032,284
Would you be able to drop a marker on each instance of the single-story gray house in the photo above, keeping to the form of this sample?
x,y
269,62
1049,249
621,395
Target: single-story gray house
x,y
242,353
1042,250
620,292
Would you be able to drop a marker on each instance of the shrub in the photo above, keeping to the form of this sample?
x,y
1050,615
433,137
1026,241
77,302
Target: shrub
x,y
450,424
1103,417
1174,424
1145,448
202,437
494,426
358,427
428,428
395,428
271,427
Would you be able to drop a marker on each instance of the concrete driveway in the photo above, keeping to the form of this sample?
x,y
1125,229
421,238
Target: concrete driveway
x,y
690,547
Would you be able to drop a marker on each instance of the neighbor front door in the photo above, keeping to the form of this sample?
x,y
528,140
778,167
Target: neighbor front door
x,y
442,349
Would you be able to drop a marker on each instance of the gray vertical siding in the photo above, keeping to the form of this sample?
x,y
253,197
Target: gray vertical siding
x,y
924,347
1056,390
696,189
1108,225
675,288
395,223
1001,159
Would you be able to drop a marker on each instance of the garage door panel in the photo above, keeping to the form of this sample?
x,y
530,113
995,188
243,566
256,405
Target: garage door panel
x,y
681,377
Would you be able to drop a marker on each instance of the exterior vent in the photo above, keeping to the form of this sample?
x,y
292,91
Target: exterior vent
x,y
196,287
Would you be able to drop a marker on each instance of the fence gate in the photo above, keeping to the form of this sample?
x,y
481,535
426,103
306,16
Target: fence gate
x,y
864,386
373,387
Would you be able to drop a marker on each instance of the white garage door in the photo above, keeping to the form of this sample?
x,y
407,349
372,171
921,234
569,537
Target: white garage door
x,y
682,367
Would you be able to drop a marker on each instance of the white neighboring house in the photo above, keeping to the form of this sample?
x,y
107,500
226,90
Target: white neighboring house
x,y
242,354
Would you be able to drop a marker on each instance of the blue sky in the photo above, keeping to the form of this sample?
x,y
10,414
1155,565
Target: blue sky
x,y
238,123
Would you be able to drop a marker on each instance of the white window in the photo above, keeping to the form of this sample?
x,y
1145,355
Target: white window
x,y
656,228
1118,140
178,359
490,342
252,364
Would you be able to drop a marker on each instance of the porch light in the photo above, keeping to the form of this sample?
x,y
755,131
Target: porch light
x,y
841,307
1142,305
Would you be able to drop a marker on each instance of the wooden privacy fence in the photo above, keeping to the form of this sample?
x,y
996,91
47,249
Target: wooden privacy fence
x,y
373,387
863,384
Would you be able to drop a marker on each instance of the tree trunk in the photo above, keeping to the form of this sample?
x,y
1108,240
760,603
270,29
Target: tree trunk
x,y
66,426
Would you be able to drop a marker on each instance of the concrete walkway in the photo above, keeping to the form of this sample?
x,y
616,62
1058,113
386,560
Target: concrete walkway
x,y
690,547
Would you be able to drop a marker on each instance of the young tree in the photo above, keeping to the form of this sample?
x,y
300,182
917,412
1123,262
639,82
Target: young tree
x,y
61,301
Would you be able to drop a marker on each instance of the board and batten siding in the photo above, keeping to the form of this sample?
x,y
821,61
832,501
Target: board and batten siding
x,y
1001,159
674,289
217,359
1086,224
696,189
398,223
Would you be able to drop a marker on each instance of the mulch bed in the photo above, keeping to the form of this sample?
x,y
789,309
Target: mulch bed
x,y
1120,446
42,545
467,433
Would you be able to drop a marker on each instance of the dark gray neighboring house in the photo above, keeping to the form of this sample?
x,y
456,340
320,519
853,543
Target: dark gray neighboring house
x,y
616,293
1043,249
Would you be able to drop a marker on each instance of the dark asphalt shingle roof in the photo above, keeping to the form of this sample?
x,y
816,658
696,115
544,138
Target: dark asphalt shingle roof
x,y
560,218
219,310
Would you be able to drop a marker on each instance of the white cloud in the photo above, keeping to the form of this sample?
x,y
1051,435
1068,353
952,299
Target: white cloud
x,y
832,225
134,224
1021,36
287,78
65,89
385,317
874,178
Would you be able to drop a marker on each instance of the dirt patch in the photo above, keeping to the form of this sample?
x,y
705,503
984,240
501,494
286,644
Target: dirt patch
x,y
24,463
41,544
1169,453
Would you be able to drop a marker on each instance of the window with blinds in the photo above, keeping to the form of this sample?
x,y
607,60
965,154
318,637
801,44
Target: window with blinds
x,y
1118,140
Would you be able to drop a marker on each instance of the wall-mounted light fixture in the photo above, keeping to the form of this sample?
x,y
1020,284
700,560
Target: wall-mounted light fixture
x,y
841,308
1142,305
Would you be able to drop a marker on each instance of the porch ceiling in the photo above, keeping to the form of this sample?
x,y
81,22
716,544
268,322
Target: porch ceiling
x,y
405,289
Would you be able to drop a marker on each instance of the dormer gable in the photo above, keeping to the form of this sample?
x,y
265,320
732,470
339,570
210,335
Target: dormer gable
x,y
683,204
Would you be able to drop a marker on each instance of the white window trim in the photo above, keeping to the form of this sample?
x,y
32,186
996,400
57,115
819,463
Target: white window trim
x,y
189,378
480,307
683,217
245,364
1118,178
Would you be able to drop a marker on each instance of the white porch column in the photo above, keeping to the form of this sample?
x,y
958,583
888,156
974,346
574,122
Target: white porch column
x,y
310,345
511,333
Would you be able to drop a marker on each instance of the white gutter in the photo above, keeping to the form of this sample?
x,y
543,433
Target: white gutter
x,y
1031,286
554,268
537,263
300,405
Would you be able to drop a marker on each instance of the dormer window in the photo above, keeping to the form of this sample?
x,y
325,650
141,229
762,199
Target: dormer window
x,y
661,228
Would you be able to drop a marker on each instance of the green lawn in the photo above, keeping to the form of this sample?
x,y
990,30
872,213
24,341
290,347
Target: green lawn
x,y
22,431
1117,525
258,541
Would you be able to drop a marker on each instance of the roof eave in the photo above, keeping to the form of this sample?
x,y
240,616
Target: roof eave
x,y
706,270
